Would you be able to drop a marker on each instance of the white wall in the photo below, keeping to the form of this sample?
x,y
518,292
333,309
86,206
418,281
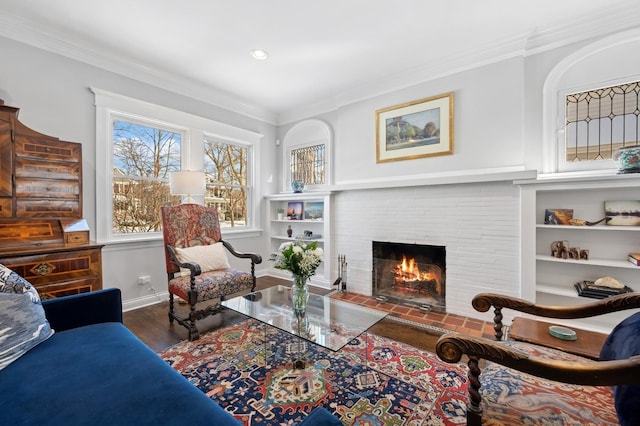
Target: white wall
x,y
498,115
477,223
53,95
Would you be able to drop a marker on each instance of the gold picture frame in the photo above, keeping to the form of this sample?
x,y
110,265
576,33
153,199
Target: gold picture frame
x,y
422,128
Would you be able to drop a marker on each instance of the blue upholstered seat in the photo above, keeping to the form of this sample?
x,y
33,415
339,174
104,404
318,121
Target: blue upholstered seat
x,y
623,343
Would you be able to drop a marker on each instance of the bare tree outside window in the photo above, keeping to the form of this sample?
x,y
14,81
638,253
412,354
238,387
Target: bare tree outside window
x,y
226,169
308,164
143,157
598,122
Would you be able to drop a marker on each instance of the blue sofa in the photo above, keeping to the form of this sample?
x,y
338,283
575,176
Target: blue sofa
x,y
94,371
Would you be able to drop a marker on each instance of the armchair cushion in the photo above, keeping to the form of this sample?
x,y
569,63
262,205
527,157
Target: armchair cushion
x,y
212,284
209,257
623,343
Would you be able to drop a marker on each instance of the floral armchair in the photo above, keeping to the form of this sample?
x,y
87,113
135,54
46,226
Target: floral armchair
x,y
197,265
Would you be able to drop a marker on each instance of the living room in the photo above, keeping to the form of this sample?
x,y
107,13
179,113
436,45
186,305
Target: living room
x,y
482,202
402,200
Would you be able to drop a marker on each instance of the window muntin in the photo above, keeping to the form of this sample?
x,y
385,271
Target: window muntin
x,y
308,164
143,157
226,167
193,130
598,122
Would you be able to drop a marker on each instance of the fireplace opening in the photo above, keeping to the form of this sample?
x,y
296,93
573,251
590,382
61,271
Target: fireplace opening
x,y
411,274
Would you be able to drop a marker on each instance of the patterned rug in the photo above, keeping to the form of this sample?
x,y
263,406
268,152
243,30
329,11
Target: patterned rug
x,y
397,385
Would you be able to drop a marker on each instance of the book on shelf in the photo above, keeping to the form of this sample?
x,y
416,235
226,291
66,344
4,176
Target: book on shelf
x,y
634,258
589,289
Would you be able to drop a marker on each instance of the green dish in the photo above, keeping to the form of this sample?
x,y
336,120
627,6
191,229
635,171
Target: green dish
x,y
562,332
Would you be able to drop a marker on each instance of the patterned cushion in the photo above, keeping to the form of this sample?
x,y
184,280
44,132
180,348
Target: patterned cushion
x,y
22,320
209,257
212,284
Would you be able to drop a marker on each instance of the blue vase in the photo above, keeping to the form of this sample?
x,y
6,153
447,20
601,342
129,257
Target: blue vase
x,y
297,186
627,159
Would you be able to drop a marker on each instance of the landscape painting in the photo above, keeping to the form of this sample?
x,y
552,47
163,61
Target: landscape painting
x,y
294,210
421,128
622,213
314,210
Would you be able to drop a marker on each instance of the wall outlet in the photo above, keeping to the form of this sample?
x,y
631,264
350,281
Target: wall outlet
x,y
144,280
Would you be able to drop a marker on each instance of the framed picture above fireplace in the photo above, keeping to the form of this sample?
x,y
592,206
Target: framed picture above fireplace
x,y
422,128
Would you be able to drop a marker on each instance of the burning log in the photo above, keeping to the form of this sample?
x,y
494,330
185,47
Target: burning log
x,y
408,277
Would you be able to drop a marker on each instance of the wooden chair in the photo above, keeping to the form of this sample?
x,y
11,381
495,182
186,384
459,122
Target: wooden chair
x,y
197,265
619,363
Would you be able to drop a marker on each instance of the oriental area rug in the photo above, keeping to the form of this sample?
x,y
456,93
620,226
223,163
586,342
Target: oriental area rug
x,y
396,384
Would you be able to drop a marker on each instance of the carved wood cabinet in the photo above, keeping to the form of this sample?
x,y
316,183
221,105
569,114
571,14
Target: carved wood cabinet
x,y
43,236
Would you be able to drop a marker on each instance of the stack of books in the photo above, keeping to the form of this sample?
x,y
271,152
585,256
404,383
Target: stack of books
x,y
634,258
589,289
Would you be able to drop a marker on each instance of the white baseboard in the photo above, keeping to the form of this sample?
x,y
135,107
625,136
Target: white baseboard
x,y
141,302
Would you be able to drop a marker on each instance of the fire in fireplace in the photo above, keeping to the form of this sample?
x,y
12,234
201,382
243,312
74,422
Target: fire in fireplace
x,y
411,274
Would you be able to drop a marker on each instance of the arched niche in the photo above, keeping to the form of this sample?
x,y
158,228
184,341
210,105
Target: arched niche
x,y
307,133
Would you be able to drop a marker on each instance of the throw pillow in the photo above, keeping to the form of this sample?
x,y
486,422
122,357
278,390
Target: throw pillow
x,y
209,257
23,323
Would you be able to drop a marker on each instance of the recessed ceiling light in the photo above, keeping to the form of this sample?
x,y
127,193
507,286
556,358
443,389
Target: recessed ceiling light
x,y
259,54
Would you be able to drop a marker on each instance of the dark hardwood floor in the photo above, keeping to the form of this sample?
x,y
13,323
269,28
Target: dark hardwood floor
x,y
151,324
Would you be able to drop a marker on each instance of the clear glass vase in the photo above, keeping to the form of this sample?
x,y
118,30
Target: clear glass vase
x,y
299,294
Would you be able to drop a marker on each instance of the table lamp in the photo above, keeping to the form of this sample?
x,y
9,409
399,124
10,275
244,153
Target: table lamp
x,y
187,182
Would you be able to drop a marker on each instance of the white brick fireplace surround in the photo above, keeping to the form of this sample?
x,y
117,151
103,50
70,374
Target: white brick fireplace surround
x,y
479,223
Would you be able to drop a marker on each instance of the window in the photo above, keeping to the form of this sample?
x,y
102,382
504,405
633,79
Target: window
x,y
143,157
226,167
139,144
598,122
308,164
307,154
590,106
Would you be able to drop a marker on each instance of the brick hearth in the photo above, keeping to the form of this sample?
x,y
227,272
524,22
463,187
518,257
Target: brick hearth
x,y
438,322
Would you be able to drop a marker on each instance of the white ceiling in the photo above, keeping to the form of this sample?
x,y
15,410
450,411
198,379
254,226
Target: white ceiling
x,y
322,53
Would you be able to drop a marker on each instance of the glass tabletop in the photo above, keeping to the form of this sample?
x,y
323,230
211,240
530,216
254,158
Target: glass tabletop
x,y
327,322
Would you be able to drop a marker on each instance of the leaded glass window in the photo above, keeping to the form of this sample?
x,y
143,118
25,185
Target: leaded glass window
x,y
308,164
600,121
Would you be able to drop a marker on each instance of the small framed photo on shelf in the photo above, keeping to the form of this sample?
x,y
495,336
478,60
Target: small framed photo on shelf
x,y
314,210
557,216
622,213
294,210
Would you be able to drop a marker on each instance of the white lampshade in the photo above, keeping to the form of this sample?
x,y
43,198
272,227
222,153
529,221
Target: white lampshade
x,y
187,182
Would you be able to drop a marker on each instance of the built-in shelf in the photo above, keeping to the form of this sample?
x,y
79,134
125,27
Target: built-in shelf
x,y
591,228
322,227
550,280
612,263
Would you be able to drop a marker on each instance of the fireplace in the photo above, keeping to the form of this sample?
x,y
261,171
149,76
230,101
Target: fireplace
x,y
412,274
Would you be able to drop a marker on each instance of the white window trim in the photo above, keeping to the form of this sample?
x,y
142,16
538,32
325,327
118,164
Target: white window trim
x,y
553,109
110,105
304,134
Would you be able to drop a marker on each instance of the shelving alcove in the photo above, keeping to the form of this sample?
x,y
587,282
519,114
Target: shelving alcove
x,y
319,227
549,280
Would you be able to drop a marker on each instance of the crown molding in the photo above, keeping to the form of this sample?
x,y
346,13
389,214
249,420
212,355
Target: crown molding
x,y
22,31
621,17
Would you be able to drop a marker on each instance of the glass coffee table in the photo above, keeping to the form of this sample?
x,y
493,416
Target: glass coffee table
x,y
327,322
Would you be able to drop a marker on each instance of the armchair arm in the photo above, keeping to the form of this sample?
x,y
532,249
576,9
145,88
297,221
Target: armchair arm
x,y
83,309
255,258
193,267
452,346
483,302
